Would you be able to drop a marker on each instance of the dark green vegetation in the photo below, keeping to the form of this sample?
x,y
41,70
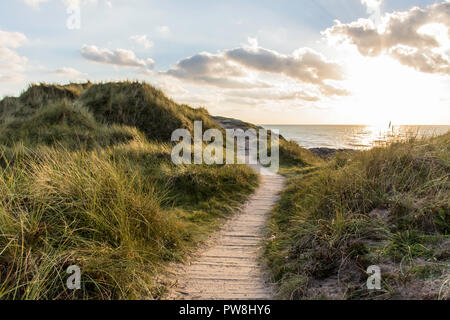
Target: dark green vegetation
x,y
389,206
86,178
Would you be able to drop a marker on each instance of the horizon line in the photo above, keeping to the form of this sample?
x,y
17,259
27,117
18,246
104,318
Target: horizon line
x,y
349,124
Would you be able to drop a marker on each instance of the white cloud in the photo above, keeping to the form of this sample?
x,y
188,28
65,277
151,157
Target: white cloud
x,y
12,39
249,67
12,65
68,72
10,61
405,36
304,64
146,72
215,70
10,78
372,5
118,57
274,94
163,30
142,40
34,3
150,63
253,42
330,90
374,8
78,3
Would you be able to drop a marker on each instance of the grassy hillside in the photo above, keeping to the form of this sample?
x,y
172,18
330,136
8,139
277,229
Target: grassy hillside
x,y
389,206
142,106
78,115
86,178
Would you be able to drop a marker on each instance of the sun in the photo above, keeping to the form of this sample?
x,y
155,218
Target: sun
x,y
383,91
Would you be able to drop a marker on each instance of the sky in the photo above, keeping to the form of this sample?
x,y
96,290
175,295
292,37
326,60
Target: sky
x,y
266,62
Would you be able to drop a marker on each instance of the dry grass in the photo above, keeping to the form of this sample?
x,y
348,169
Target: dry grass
x,y
101,193
389,206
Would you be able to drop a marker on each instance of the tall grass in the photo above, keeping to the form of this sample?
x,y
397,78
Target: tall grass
x,y
141,106
117,219
389,206
82,185
67,208
62,123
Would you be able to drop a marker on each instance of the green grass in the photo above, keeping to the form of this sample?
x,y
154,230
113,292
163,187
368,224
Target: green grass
x,y
141,106
325,230
86,178
63,123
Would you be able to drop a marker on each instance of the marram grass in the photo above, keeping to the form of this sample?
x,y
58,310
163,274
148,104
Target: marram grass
x,y
389,206
82,185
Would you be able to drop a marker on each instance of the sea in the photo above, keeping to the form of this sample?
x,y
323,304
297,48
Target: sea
x,y
352,136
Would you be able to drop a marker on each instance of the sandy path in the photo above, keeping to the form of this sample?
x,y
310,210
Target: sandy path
x,y
228,267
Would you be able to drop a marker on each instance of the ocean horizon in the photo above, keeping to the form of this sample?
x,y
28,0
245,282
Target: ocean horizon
x,y
352,136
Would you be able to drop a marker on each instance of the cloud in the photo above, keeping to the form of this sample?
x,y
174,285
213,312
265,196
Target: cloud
x,y
12,39
213,69
304,64
118,57
10,78
146,72
150,63
12,65
68,72
331,90
372,5
374,8
163,30
405,36
248,67
78,3
11,61
34,3
276,94
142,40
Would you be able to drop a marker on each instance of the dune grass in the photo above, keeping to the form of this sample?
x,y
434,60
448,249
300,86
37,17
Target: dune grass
x,y
389,206
82,185
62,123
142,106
